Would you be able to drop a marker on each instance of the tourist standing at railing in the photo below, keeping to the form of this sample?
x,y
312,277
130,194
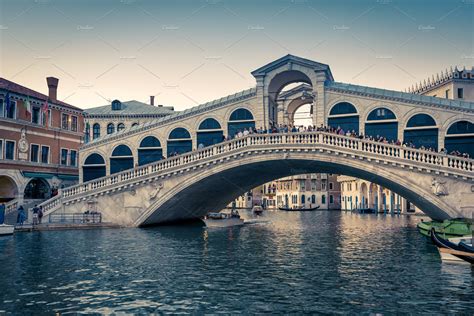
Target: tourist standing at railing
x,y
40,214
21,215
35,215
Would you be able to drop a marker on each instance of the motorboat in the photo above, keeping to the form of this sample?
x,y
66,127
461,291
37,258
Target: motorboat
x,y
257,210
287,209
6,229
454,249
449,228
223,219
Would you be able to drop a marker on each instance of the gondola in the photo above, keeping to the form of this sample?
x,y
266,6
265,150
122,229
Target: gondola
x,y
459,251
287,209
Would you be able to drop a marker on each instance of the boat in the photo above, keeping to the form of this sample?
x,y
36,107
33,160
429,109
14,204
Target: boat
x,y
257,210
451,251
223,219
449,228
287,209
6,229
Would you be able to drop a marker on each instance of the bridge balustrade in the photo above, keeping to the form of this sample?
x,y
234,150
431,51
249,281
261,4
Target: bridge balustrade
x,y
323,138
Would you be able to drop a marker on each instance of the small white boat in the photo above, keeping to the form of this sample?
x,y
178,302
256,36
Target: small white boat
x,y
6,229
257,210
456,240
223,220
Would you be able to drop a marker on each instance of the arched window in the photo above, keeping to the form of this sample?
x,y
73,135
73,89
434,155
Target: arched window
x,y
344,115
382,122
303,199
149,151
313,198
460,137
110,128
240,120
87,133
209,133
95,131
121,159
93,168
323,199
421,130
179,141
120,126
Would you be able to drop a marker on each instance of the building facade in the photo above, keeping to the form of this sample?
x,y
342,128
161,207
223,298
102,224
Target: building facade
x,y
40,138
118,116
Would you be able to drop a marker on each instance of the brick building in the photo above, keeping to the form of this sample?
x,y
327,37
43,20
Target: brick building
x,y
40,138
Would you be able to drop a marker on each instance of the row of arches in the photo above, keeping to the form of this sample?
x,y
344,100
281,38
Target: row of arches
x,y
179,141
421,129
111,128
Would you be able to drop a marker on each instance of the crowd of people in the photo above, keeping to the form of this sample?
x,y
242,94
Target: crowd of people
x,y
339,131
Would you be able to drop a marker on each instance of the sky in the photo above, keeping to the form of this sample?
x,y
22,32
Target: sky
x,y
190,52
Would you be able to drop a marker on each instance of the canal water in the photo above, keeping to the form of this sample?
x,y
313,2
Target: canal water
x,y
314,262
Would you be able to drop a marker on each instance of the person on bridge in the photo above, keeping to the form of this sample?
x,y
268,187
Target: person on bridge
x,y
40,214
21,215
35,215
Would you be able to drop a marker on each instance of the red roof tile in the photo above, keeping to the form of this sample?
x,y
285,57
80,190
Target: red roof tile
x,y
16,88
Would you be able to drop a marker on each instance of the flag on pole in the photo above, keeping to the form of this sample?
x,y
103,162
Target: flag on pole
x,y
27,105
45,112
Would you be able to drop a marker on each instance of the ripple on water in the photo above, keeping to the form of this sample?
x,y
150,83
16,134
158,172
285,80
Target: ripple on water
x,y
294,264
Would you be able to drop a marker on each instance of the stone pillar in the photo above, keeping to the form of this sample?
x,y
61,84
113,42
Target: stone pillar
x,y
260,103
319,107
404,205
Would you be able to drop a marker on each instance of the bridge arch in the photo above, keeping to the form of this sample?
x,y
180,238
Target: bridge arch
x,y
121,159
93,167
149,150
253,170
421,130
209,132
179,141
239,119
383,122
345,115
460,137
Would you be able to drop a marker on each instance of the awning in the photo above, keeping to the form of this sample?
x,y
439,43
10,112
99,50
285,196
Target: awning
x,y
45,175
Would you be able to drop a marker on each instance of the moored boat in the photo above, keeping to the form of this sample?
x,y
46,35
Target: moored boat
x,y
449,228
452,251
6,229
287,209
223,219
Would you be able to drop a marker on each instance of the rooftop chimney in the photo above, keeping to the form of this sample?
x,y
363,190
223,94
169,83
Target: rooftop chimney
x,y
152,100
53,88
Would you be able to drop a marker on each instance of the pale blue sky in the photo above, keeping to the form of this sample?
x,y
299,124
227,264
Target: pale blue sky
x,y
189,52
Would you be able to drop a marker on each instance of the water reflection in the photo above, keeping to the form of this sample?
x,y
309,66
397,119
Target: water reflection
x,y
294,263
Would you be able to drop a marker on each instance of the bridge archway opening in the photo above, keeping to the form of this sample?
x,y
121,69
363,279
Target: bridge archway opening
x,y
209,133
121,159
345,116
227,182
240,120
37,188
283,81
149,151
460,137
179,141
93,168
8,189
382,122
421,131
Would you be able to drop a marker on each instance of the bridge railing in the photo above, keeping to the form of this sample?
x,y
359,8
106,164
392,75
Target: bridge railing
x,y
352,144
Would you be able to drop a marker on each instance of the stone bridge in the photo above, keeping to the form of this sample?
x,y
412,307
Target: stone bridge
x,y
192,184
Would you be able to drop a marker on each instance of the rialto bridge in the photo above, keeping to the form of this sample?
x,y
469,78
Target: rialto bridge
x,y
133,179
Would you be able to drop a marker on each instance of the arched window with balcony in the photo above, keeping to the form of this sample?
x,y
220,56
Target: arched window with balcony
x,y
460,137
121,159
93,167
209,132
345,116
421,131
179,141
382,122
149,151
240,120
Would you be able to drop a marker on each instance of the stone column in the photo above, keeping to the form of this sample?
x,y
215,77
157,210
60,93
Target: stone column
x,y
319,107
